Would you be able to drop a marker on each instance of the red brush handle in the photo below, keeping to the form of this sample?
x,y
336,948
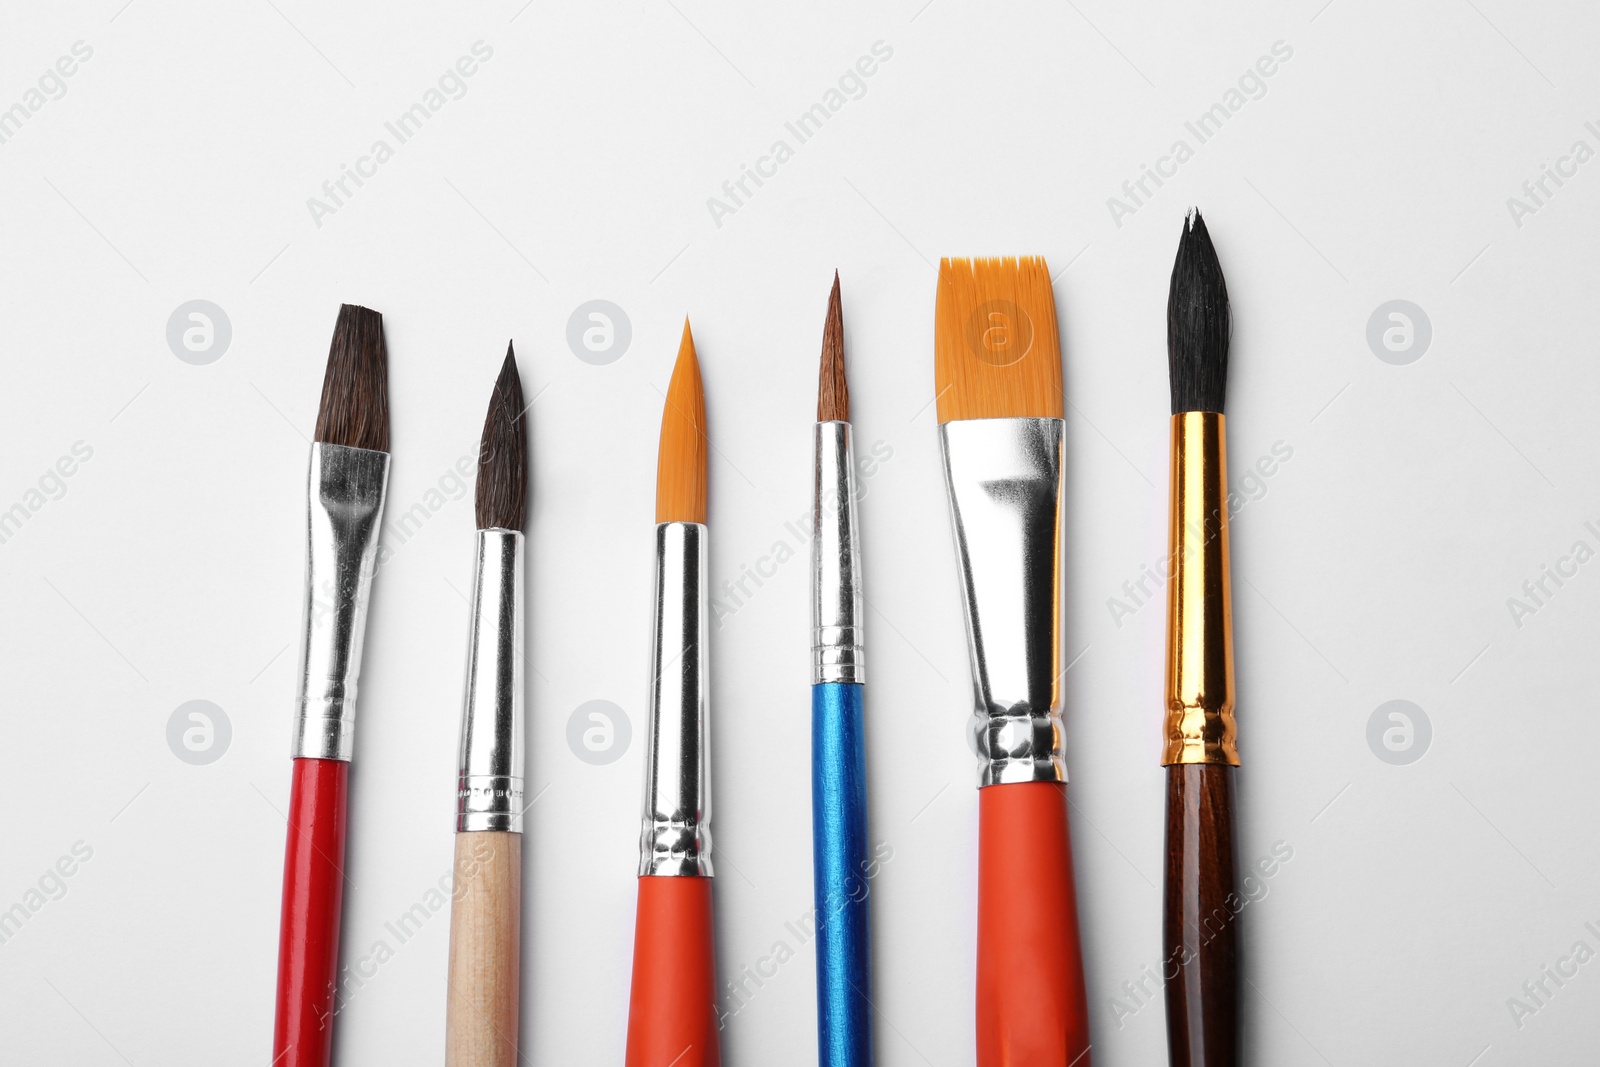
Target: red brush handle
x,y
672,1016
1032,1007
308,938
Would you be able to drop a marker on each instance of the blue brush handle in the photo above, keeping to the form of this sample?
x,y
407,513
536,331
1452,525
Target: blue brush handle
x,y
841,868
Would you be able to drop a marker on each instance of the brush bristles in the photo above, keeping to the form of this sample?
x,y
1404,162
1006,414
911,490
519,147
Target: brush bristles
x,y
997,353
502,500
833,392
1199,323
355,389
681,462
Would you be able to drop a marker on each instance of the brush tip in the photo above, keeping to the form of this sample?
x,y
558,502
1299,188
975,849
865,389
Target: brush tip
x,y
681,464
502,491
997,349
354,410
1199,322
833,392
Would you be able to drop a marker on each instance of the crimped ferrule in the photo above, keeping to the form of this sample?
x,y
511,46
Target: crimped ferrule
x,y
490,770
675,836
838,652
344,506
1199,684
1004,479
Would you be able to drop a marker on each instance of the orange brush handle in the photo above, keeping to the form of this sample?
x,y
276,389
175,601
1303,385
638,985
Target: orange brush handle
x,y
1032,1007
672,1015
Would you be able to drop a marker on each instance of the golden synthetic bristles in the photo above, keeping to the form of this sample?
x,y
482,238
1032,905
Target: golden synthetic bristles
x,y
681,463
996,350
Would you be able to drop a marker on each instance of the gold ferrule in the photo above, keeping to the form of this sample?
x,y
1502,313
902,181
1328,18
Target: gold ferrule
x,y
1200,726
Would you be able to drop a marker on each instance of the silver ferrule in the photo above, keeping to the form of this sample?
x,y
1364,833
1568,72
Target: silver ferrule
x,y
344,497
1005,485
489,781
838,652
676,835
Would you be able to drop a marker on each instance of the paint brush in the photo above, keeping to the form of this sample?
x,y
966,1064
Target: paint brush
x,y
348,475
839,847
997,371
481,1014
1198,928
672,1009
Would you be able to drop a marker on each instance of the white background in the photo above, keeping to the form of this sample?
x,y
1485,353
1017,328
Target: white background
x,y
1376,566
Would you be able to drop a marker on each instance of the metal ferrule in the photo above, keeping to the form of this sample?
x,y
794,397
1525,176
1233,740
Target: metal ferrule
x,y
675,838
1199,690
838,652
344,496
489,782
1004,478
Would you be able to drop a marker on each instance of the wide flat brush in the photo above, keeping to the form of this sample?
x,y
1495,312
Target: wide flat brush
x,y
481,1016
672,1016
997,368
346,483
1199,918
839,846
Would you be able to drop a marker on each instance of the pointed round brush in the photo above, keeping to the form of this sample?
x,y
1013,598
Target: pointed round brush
x,y
839,846
672,1016
1199,924
481,1015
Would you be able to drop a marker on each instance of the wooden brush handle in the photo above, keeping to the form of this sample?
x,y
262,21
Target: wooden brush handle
x,y
672,1012
308,932
1033,1010
485,951
1200,923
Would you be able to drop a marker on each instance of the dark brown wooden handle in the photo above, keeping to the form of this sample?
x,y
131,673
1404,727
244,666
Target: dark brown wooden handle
x,y
1201,916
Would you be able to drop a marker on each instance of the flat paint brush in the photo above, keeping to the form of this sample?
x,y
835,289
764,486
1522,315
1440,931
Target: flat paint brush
x,y
481,1016
997,371
672,1017
1198,924
348,476
839,845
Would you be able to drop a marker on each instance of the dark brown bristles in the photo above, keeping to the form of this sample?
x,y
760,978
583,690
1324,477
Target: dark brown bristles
x,y
355,389
833,393
1199,323
502,501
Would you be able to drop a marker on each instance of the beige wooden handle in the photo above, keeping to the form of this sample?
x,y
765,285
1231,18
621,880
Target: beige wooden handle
x,y
485,951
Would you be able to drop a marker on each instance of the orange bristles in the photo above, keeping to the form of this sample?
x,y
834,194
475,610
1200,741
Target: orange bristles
x,y
681,462
996,350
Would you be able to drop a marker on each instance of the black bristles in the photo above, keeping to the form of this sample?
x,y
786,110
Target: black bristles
x,y
502,501
355,389
1198,323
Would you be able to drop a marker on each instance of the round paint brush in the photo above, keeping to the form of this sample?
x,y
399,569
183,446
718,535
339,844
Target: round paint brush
x,y
672,1016
839,848
1198,923
997,369
486,914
